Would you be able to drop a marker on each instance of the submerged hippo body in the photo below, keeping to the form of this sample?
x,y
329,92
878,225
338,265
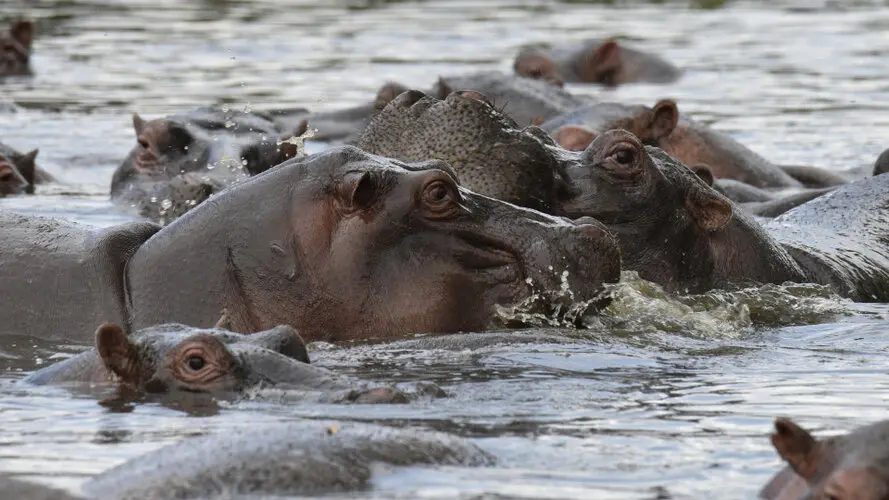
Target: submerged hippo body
x,y
15,48
19,172
681,137
183,159
334,125
491,154
525,100
303,458
342,245
852,466
606,62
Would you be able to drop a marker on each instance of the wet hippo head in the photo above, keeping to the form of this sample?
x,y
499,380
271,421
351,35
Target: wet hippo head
x,y
348,245
491,154
18,171
650,125
850,467
15,48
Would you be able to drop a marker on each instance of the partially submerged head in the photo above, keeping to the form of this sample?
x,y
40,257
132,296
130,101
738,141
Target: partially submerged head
x,y
15,48
602,63
850,467
651,125
17,173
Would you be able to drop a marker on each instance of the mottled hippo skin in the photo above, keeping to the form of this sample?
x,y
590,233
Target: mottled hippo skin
x,y
172,358
524,100
18,171
15,48
302,458
342,245
491,154
850,467
606,62
672,227
681,137
186,158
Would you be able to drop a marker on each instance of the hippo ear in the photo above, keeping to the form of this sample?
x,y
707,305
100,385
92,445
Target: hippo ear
x,y
387,93
710,210
704,173
574,138
117,352
796,446
444,89
23,33
360,191
139,124
607,58
28,168
664,118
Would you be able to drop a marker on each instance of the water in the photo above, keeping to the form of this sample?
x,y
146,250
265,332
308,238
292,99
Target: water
x,y
656,395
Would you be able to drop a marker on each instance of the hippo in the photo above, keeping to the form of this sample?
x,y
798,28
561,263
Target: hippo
x,y
607,62
15,48
490,153
851,466
340,245
333,126
179,161
881,166
19,172
525,100
174,358
684,139
303,458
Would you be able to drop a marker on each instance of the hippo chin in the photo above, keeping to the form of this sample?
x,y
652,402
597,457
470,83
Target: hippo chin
x,y
607,62
341,245
690,142
19,172
491,154
179,161
15,48
852,466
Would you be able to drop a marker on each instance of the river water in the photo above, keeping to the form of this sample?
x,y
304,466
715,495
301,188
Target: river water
x,y
659,396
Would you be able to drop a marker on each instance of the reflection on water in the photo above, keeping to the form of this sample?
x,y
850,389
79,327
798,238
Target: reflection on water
x,y
657,395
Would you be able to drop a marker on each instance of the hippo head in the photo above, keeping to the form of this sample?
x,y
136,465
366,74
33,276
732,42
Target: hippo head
x,y
171,357
662,213
597,63
651,125
491,154
15,48
850,467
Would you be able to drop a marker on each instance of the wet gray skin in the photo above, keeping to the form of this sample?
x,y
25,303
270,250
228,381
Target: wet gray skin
x,y
854,466
672,227
19,172
881,166
301,458
756,201
341,245
186,158
15,48
491,154
607,62
842,238
524,100
26,490
681,137
335,125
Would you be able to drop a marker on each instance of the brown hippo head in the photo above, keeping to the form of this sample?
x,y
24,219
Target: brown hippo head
x,y
651,125
15,48
850,467
490,153
673,228
349,245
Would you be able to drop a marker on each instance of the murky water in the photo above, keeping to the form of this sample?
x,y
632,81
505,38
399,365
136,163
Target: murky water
x,y
657,394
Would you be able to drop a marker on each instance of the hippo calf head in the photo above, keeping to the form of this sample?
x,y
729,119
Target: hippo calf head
x,y
17,173
651,125
850,467
15,48
491,154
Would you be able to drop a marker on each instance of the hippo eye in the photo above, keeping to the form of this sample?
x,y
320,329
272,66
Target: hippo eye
x,y
439,199
624,156
436,193
195,362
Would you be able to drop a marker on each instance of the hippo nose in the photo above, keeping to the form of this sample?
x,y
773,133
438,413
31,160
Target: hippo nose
x,y
478,96
409,98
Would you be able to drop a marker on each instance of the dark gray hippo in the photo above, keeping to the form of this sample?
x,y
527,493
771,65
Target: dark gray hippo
x,y
677,231
606,62
179,161
19,172
525,100
688,141
305,458
15,48
491,154
341,245
854,466
174,358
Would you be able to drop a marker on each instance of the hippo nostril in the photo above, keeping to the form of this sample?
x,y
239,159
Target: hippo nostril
x,y
409,98
478,96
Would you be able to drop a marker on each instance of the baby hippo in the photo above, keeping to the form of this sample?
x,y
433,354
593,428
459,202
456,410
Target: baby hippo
x,y
174,357
850,467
